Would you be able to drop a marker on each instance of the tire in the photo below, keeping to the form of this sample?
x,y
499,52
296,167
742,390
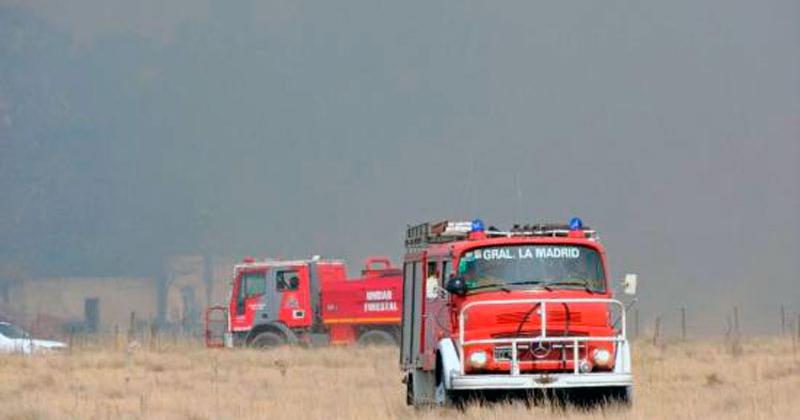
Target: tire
x,y
376,338
267,340
409,390
448,398
443,396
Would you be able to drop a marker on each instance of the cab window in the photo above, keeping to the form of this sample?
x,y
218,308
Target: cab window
x,y
287,280
432,282
446,270
254,283
10,331
432,272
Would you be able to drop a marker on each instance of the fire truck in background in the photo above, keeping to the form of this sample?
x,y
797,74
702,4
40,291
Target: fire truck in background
x,y
311,302
521,310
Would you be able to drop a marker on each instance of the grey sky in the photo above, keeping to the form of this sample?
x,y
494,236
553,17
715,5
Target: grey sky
x,y
129,130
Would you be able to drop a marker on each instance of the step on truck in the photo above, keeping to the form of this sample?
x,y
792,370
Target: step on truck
x,y
525,309
308,302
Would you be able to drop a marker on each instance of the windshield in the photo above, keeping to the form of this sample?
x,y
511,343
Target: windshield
x,y
532,266
10,331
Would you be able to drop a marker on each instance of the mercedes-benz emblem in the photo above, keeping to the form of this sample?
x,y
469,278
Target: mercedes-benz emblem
x,y
540,351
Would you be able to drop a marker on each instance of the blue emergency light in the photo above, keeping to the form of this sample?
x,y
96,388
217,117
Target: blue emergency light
x,y
575,224
477,226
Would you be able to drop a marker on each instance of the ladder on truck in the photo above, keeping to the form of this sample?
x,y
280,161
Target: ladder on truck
x,y
216,326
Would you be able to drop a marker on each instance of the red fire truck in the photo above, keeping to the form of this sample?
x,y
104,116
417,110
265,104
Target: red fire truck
x,y
525,309
309,301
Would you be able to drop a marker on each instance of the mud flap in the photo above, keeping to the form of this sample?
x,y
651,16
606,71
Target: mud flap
x,y
422,388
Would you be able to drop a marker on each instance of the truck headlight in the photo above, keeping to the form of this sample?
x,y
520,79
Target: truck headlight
x,y
478,359
601,357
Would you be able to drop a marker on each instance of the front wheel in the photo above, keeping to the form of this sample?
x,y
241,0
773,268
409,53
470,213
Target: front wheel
x,y
443,396
448,398
267,340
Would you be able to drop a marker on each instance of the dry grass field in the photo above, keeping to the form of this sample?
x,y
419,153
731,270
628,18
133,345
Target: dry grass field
x,y
760,378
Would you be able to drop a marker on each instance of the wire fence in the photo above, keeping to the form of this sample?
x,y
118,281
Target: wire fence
x,y
680,325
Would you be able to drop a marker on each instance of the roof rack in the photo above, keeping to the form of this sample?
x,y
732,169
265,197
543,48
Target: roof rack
x,y
441,232
276,262
548,229
419,236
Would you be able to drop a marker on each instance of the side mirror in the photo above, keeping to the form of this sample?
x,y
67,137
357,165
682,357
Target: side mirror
x,y
456,285
629,284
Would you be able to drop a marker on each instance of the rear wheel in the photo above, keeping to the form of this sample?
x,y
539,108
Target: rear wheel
x,y
266,340
376,338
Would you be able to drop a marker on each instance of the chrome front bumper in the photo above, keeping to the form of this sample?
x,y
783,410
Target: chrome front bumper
x,y
541,381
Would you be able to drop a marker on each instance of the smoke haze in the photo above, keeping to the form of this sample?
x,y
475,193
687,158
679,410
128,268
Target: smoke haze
x,y
130,131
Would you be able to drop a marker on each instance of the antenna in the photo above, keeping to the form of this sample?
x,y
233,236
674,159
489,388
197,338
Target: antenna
x,y
518,186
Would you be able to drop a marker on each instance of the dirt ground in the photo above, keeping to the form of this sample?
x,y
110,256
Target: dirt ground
x,y
756,378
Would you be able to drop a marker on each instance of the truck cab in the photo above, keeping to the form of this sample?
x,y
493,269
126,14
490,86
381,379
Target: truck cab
x,y
271,301
525,309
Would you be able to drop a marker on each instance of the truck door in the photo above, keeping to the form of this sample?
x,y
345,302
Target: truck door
x,y
437,315
293,294
247,299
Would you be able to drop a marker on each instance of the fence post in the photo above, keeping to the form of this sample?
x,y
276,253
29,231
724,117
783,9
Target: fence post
x,y
116,337
728,327
797,324
154,336
656,331
636,323
132,327
736,321
794,336
683,323
783,320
